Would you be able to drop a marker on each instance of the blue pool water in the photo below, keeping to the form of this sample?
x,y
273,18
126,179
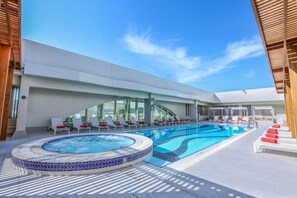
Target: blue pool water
x,y
174,143
88,144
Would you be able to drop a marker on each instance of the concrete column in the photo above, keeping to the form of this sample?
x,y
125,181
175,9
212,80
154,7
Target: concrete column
x,y
23,105
194,111
149,110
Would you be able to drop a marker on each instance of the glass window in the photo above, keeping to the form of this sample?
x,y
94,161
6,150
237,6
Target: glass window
x,y
108,109
140,110
14,101
99,111
120,108
132,109
92,111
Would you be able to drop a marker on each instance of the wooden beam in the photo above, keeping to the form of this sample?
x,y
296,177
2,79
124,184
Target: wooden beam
x,y
260,27
4,64
9,30
293,83
285,41
289,110
6,104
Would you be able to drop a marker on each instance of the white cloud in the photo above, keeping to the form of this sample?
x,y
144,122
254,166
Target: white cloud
x,y
142,44
188,69
250,74
235,51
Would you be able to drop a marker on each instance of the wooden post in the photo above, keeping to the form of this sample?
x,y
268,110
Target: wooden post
x,y
289,110
4,64
293,83
7,104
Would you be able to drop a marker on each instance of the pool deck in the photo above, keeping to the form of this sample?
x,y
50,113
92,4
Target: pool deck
x,y
234,170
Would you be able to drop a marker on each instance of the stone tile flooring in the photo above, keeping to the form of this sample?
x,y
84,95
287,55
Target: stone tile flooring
x,y
234,171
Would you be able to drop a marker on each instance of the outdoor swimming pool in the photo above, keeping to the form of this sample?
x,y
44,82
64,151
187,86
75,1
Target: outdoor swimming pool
x,y
174,143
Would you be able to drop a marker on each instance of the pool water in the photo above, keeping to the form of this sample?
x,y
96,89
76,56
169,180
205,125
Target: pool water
x,y
88,144
174,143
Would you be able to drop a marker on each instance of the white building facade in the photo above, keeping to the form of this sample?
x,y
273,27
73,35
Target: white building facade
x,y
58,83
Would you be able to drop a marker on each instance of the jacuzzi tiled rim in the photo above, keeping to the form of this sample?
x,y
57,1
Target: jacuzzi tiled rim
x,y
32,158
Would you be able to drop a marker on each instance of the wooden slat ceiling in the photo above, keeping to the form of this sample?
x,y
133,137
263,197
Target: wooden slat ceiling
x,y
10,29
277,22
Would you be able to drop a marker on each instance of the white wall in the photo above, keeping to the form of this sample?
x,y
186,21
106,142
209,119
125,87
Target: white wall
x,y
44,104
278,109
178,108
250,95
50,62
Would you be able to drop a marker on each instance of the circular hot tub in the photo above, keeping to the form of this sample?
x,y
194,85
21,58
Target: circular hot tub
x,y
81,154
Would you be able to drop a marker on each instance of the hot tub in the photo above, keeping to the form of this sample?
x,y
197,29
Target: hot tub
x,y
81,154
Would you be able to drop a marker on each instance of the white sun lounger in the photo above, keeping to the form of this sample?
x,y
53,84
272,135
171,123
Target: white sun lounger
x,y
259,146
282,128
234,119
160,122
95,123
179,120
110,123
132,119
78,125
125,124
58,125
168,122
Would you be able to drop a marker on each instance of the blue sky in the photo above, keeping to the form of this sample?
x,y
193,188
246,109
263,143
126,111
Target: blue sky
x,y
213,45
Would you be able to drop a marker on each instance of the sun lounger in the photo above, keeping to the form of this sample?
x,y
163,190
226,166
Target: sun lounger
x,y
78,125
110,123
224,119
244,120
58,125
139,123
259,146
159,122
95,123
168,121
234,119
125,124
180,120
272,139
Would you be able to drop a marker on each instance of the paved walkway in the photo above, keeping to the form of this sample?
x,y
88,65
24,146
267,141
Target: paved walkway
x,y
234,171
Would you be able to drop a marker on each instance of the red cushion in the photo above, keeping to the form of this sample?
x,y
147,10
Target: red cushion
x,y
117,124
141,122
269,140
83,126
257,118
60,127
272,132
270,135
103,125
130,123
276,126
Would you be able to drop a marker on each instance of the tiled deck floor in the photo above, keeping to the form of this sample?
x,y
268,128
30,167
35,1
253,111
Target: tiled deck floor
x,y
234,171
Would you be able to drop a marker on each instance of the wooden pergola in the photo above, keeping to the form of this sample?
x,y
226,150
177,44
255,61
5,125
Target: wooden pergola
x,y
10,55
277,23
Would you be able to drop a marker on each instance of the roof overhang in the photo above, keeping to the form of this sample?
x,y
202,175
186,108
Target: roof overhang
x,y
277,20
10,29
